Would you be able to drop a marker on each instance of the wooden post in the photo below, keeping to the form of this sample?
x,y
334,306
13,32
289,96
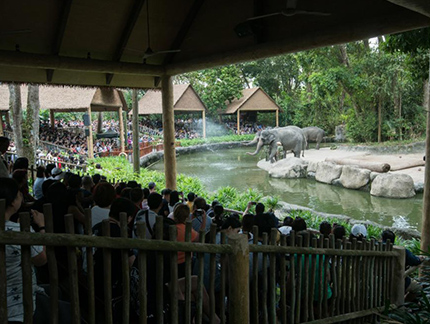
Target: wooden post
x,y
398,279
425,229
121,129
239,275
135,124
277,117
52,118
90,136
204,123
238,122
168,131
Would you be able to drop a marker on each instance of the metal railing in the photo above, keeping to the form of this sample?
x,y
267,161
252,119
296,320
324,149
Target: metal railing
x,y
297,279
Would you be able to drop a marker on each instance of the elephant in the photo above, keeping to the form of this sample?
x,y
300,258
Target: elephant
x,y
290,137
313,133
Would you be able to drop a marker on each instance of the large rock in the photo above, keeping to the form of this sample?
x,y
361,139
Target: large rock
x,y
327,172
291,167
393,185
312,166
353,177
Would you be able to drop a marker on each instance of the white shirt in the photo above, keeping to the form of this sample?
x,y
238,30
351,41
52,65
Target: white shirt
x,y
98,214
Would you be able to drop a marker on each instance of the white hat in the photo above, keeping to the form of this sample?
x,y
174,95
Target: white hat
x,y
285,230
57,174
358,229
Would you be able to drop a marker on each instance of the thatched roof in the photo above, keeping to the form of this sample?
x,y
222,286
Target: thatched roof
x,y
102,43
185,100
254,99
70,99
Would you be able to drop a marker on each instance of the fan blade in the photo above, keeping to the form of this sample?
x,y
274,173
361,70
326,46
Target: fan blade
x,y
313,13
291,4
168,51
265,16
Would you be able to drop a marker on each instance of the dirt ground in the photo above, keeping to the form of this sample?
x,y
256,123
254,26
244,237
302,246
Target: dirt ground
x,y
396,161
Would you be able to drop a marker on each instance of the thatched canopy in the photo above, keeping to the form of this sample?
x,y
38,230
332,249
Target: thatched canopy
x,y
254,99
185,100
70,99
103,43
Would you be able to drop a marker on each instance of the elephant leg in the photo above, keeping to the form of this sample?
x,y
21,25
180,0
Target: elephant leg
x,y
318,145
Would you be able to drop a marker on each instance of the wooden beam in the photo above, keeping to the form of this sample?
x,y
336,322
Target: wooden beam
x,y
183,31
238,122
42,61
121,129
90,137
420,6
126,33
52,118
1,124
168,131
335,34
61,28
277,117
204,123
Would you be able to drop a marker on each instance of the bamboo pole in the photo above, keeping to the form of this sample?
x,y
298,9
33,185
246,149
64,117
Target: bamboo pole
x,y
143,298
3,275
125,267
27,273
52,265
425,229
121,129
263,307
168,131
204,123
283,284
272,279
238,122
200,276
239,274
90,270
159,268
173,284
135,125
255,290
277,117
188,256
90,136
107,271
223,282
212,275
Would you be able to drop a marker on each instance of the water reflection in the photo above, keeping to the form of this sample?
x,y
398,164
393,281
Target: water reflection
x,y
235,168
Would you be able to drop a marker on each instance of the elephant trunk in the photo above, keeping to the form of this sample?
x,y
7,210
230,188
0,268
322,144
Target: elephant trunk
x,y
259,146
254,141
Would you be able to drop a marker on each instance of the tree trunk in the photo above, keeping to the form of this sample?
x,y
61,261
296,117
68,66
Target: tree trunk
x,y
366,45
380,119
16,108
29,123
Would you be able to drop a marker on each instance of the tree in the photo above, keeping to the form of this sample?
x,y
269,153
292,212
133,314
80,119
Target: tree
x,y
16,109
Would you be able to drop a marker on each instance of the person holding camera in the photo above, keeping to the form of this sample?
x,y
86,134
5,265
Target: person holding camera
x,y
199,220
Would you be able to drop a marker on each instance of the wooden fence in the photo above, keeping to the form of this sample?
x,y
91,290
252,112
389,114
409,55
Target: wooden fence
x,y
296,280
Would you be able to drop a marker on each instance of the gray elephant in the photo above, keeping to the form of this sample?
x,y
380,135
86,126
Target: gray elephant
x,y
314,134
289,137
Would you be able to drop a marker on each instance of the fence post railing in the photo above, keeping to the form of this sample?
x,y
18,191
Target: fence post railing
x,y
398,279
239,279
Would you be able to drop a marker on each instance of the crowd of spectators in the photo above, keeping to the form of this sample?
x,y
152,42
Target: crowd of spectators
x,y
70,194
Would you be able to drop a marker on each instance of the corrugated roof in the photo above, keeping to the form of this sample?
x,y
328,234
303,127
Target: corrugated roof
x,y
253,99
69,98
184,99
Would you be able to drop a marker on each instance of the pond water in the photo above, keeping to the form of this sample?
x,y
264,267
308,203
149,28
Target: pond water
x,y
233,167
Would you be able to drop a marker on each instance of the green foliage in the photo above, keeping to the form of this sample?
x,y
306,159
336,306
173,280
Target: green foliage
x,y
362,128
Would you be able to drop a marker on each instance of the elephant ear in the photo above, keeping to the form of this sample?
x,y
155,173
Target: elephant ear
x,y
271,138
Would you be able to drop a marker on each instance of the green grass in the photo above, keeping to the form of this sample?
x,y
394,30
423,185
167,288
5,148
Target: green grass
x,y
218,139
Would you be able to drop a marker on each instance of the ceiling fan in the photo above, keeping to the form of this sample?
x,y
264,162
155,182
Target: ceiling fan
x,y
149,52
291,10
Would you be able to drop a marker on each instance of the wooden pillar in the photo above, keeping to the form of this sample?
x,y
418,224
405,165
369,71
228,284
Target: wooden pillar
x,y
52,117
135,123
204,123
7,119
397,283
90,136
238,122
168,131
425,230
277,117
239,275
121,129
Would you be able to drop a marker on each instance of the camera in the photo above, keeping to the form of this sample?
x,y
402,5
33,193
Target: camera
x,y
198,212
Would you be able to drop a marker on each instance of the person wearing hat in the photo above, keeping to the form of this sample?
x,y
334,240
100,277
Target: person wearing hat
x,y
57,174
359,232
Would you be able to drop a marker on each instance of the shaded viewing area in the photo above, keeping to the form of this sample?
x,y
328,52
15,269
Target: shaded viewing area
x,y
142,44
235,279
